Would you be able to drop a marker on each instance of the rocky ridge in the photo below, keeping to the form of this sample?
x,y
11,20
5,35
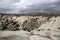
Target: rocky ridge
x,y
29,27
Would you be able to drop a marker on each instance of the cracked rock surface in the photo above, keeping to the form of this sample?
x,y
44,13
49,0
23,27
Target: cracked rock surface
x,y
29,27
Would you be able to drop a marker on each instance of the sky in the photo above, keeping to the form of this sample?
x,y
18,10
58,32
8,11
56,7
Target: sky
x,y
29,6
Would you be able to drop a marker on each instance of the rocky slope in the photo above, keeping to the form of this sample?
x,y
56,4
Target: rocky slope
x,y
13,27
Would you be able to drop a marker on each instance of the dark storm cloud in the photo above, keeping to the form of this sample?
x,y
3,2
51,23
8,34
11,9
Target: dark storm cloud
x,y
29,6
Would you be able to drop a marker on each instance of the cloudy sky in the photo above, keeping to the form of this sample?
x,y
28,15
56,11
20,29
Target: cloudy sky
x,y
29,6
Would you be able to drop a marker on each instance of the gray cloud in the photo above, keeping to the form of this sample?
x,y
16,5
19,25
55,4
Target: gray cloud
x,y
29,6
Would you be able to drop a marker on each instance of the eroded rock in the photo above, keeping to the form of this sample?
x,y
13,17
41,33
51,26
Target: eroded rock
x,y
11,35
35,37
30,24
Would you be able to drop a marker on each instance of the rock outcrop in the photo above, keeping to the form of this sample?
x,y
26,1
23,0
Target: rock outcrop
x,y
29,27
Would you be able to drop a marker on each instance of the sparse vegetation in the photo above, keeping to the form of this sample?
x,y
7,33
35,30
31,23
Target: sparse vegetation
x,y
30,24
7,23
